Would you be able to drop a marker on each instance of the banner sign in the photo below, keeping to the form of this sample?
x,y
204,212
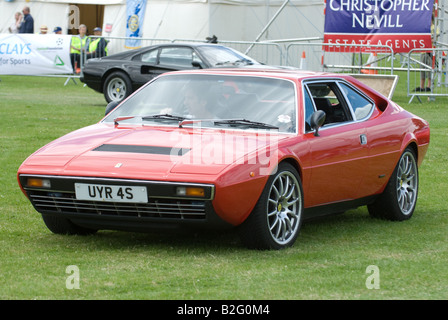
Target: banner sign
x,y
135,11
32,54
401,24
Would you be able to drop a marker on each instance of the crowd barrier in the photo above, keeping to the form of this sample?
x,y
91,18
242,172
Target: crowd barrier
x,y
427,73
418,64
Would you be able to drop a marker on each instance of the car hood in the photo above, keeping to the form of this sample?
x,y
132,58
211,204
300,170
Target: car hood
x,y
143,152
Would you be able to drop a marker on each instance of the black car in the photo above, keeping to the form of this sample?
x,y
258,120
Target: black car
x,y
118,75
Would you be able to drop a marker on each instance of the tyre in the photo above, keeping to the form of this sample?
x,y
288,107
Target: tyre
x,y
117,87
398,200
276,219
60,225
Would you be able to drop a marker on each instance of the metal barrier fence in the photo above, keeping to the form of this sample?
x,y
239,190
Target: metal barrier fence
x,y
296,53
418,64
266,53
427,73
341,58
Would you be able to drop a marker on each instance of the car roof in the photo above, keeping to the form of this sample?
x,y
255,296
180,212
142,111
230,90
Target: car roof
x,y
263,70
179,44
131,53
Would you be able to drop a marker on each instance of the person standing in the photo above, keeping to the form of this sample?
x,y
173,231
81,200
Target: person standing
x,y
14,28
78,47
97,45
27,25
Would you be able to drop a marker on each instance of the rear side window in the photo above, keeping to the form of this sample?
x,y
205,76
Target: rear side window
x,y
150,56
176,57
360,105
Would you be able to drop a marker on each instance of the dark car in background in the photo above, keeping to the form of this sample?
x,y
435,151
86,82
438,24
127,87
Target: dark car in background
x,y
118,75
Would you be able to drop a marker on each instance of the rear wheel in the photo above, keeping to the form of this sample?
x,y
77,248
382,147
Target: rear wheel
x,y
398,200
117,87
60,225
275,221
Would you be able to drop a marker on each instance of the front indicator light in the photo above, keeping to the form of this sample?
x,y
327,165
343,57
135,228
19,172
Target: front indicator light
x,y
190,191
38,183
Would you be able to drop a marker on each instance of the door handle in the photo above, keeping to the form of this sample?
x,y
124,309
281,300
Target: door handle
x,y
363,139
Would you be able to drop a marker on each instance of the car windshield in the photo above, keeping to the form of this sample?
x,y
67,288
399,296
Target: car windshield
x,y
224,56
218,101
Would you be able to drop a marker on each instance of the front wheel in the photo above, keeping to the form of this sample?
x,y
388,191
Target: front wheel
x,y
399,198
117,87
276,219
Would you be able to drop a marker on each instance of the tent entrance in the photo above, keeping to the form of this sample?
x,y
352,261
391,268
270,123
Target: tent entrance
x,y
91,15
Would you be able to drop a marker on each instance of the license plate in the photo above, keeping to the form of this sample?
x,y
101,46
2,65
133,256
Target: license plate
x,y
99,192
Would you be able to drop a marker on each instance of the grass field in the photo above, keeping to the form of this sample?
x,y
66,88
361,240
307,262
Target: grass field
x,y
328,261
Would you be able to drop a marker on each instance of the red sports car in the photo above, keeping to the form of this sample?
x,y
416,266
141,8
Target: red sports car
x,y
257,149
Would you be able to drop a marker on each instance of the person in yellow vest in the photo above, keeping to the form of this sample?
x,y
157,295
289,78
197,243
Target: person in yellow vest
x,y
97,45
78,47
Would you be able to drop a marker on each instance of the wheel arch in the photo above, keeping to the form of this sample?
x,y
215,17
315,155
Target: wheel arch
x,y
295,163
409,142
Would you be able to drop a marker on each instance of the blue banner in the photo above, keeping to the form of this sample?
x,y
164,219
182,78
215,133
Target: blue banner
x,y
135,12
401,24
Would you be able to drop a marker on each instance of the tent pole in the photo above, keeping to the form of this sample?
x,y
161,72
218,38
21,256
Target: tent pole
x,y
268,25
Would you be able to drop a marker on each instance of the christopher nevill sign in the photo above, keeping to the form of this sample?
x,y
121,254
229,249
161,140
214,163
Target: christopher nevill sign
x,y
401,24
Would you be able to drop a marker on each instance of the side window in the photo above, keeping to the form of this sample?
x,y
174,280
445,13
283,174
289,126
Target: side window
x,y
360,105
309,109
150,56
328,98
176,57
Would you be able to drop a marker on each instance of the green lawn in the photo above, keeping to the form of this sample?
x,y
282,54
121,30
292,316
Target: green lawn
x,y
328,261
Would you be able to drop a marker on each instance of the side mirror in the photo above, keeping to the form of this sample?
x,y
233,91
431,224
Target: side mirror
x,y
196,64
317,120
111,106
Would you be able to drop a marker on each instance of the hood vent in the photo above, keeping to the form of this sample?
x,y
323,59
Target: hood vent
x,y
142,149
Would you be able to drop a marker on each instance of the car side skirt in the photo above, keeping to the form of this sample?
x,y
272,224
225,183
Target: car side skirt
x,y
339,207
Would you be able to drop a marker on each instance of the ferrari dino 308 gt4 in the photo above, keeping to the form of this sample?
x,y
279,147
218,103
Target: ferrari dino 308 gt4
x,y
260,150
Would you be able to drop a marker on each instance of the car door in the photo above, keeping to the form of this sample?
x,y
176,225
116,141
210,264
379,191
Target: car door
x,y
142,65
339,154
152,63
383,139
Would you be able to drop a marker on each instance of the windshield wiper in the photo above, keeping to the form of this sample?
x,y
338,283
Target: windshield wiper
x,y
247,123
234,63
245,61
165,116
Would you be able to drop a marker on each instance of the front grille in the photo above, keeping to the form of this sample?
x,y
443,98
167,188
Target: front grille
x,y
46,201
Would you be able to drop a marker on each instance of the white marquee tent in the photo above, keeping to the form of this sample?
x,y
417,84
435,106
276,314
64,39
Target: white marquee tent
x,y
239,20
